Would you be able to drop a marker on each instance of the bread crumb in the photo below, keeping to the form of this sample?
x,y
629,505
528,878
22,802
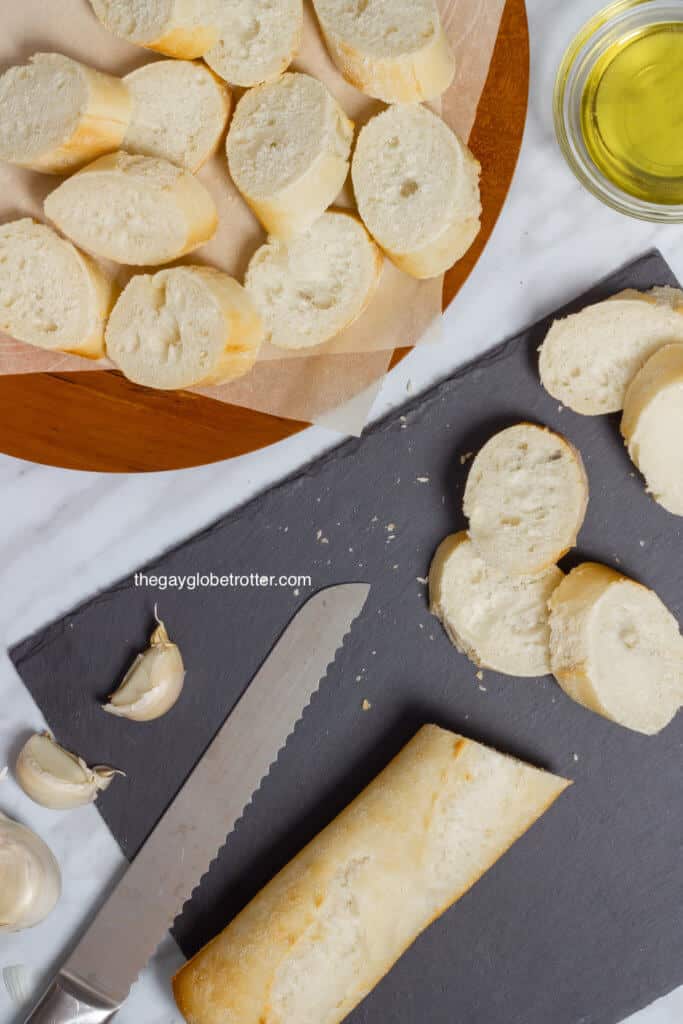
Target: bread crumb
x,y
409,385
575,756
560,408
296,592
642,543
394,567
391,527
366,705
422,479
480,675
423,580
466,458
358,679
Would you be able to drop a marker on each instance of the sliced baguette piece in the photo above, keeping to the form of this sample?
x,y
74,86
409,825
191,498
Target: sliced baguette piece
x,y
652,426
57,114
183,326
394,51
318,938
257,39
500,622
588,360
180,110
417,189
288,150
136,210
526,499
178,28
51,295
312,287
616,649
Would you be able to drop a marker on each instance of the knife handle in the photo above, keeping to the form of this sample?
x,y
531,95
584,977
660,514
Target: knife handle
x,y
68,1001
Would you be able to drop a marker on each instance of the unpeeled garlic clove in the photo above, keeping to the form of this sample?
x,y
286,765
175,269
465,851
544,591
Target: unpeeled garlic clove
x,y
30,879
153,683
56,778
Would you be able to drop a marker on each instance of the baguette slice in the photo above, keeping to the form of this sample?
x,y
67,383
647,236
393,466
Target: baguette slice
x,y
526,499
288,151
51,295
588,360
417,189
180,110
184,326
312,287
134,209
318,938
395,51
616,649
57,114
652,426
178,28
258,39
499,622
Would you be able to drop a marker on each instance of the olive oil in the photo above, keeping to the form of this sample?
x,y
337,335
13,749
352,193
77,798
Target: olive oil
x,y
632,113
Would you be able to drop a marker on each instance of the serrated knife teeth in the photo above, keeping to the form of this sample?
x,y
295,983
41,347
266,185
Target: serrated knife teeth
x,y
184,844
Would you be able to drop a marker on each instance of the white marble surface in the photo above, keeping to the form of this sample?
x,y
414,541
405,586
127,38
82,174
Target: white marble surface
x,y
65,535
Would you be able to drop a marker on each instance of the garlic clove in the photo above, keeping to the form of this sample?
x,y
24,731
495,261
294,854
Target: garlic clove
x,y
56,778
21,983
153,683
30,879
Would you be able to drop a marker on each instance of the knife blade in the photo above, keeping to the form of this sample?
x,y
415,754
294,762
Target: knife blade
x,y
123,936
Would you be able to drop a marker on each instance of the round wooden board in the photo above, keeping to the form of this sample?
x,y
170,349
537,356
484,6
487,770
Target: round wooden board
x,y
101,422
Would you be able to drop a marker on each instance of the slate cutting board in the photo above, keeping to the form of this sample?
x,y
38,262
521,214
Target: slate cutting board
x,y
582,921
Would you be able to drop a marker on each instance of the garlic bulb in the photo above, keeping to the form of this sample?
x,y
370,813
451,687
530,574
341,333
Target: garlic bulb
x,y
56,778
21,983
153,683
30,880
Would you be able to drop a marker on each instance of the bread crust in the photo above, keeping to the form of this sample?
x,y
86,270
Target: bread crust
x,y
187,40
410,78
100,129
379,846
190,198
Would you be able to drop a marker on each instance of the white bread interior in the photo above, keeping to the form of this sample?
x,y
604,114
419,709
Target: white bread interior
x,y
179,112
652,426
178,28
57,114
394,51
616,649
500,622
136,210
51,295
588,360
257,39
318,938
417,188
313,286
288,150
526,499
183,326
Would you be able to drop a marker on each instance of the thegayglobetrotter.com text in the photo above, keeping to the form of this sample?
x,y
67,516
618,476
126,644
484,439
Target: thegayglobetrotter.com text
x,y
206,580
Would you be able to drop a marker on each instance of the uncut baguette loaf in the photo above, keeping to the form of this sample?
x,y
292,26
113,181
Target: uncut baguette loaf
x,y
288,151
183,326
500,622
652,426
394,51
326,929
588,360
312,287
179,112
57,114
135,210
526,497
178,28
257,39
616,649
417,188
51,295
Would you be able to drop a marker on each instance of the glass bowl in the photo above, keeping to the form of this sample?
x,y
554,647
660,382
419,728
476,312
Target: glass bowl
x,y
609,26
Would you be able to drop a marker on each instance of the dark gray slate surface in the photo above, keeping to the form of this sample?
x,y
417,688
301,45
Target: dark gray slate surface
x,y
583,920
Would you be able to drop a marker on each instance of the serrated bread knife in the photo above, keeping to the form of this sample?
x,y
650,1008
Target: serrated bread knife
x,y
98,975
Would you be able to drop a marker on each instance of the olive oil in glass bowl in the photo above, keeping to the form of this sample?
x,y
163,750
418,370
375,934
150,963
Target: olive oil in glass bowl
x,y
619,108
